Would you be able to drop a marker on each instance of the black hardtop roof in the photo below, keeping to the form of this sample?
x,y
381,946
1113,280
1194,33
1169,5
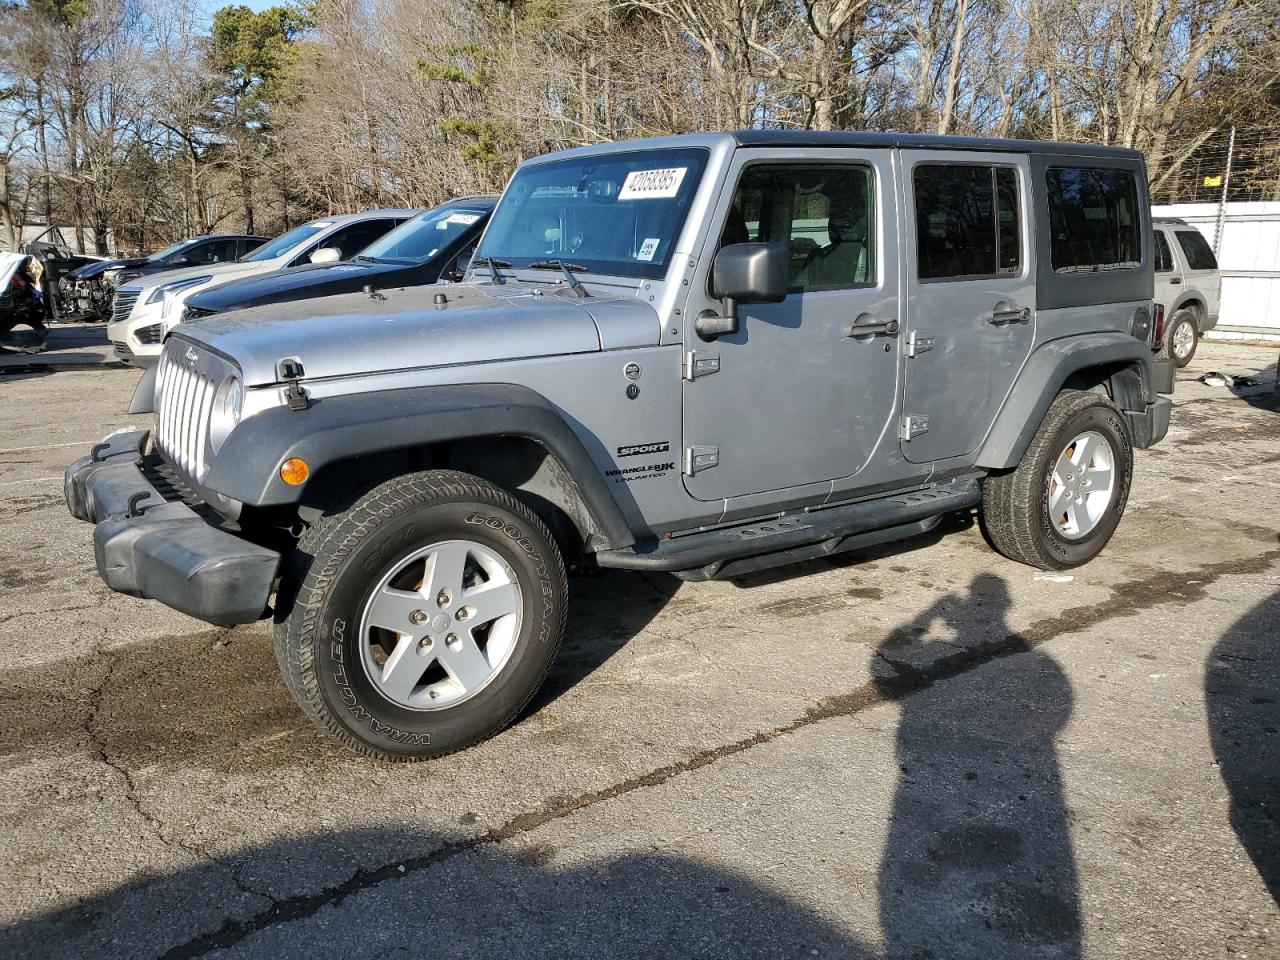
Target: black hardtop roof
x,y
922,141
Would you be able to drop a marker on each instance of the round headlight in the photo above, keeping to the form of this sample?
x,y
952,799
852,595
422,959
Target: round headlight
x,y
226,411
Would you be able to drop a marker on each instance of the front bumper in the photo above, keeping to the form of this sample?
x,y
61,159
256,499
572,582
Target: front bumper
x,y
158,549
122,352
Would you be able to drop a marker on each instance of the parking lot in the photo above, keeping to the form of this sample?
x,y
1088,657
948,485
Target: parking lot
x,y
918,751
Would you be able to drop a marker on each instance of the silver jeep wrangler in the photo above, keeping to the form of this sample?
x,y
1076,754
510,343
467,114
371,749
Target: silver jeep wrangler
x,y
703,355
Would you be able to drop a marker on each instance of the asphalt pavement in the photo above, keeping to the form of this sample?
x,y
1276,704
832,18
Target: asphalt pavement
x,y
920,751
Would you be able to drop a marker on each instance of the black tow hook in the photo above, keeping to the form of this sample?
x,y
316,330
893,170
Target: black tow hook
x,y
135,500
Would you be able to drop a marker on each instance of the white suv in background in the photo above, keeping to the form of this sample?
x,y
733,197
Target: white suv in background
x,y
146,309
1187,283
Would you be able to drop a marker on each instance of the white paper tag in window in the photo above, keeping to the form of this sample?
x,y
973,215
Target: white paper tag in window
x,y
648,248
652,184
463,218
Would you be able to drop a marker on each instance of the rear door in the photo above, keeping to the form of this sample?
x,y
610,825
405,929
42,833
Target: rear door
x,y
1200,265
970,296
1167,272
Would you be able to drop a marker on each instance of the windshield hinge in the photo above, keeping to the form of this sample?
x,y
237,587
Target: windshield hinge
x,y
289,370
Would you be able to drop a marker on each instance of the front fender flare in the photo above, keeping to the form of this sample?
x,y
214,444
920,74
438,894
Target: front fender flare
x,y
1043,377
339,428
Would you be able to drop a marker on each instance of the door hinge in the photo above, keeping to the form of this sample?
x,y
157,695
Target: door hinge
x,y
700,364
697,459
909,427
917,343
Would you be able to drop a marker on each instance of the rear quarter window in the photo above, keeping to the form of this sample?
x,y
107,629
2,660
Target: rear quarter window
x,y
1094,220
1197,250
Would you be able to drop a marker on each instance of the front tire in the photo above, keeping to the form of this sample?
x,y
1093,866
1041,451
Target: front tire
x,y
423,618
1059,507
1181,337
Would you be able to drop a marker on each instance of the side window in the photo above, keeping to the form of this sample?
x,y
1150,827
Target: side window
x,y
1197,250
825,213
968,221
215,251
1093,219
351,240
1164,256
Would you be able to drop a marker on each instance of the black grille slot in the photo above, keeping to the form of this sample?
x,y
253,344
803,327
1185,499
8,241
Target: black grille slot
x,y
151,334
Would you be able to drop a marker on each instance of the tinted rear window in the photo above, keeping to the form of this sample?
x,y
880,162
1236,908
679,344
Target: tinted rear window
x,y
1093,219
1198,253
967,223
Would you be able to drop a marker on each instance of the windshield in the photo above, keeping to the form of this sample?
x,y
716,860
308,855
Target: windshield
x,y
614,213
286,241
169,250
424,236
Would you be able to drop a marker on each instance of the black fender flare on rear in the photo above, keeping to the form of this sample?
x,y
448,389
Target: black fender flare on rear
x,y
333,429
1132,375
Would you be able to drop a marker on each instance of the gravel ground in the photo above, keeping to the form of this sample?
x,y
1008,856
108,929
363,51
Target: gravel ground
x,y
922,751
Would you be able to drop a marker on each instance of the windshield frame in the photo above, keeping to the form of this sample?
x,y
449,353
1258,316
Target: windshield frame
x,y
696,161
256,255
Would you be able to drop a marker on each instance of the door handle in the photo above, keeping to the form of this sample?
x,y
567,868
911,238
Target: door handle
x,y
1021,315
1175,279
855,329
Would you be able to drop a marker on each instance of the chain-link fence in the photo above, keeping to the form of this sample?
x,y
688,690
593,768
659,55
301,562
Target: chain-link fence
x,y
1194,168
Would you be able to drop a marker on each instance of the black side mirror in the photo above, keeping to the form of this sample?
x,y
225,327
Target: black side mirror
x,y
458,269
744,273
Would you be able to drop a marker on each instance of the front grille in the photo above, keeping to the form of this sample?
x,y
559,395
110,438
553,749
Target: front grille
x,y
186,382
151,334
122,306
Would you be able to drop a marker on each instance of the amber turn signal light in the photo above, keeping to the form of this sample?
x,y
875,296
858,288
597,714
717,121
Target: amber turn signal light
x,y
294,471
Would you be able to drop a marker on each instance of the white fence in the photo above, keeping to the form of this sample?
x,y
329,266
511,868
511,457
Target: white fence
x,y
1249,257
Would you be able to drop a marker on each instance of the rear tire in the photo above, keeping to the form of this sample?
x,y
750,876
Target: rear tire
x,y
1058,508
1181,337
422,618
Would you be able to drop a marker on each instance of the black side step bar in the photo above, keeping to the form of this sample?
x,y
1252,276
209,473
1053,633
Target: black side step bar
x,y
798,536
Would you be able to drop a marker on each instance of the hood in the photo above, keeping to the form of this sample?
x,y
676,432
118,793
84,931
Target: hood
x,y
293,283
99,267
355,334
223,271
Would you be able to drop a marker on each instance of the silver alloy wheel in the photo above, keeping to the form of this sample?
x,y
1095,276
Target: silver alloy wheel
x,y
1082,485
440,625
1184,339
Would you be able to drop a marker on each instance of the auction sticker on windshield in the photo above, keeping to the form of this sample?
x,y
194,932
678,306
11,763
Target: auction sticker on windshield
x,y
652,184
648,249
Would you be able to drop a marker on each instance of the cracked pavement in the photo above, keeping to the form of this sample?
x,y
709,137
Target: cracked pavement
x,y
920,750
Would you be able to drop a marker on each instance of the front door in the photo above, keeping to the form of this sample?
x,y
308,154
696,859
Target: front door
x,y
796,397
971,296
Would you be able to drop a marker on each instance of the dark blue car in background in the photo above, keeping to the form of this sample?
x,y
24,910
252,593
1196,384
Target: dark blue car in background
x,y
434,245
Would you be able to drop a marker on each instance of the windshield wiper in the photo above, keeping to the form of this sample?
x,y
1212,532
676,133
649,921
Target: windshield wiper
x,y
493,263
566,268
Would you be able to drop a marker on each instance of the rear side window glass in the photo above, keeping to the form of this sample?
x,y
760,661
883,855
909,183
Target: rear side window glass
x,y
1093,219
967,221
824,213
1164,256
1196,249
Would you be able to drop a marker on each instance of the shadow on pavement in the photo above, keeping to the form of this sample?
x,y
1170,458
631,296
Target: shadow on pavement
x,y
978,861
489,902
1242,695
